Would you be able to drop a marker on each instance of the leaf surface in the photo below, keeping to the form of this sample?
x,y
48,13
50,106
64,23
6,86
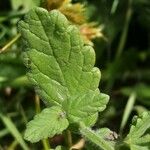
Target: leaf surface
x,y
85,105
61,66
49,122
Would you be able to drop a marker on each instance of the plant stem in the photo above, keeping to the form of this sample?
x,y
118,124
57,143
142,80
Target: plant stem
x,y
68,138
95,138
125,30
45,142
37,104
10,43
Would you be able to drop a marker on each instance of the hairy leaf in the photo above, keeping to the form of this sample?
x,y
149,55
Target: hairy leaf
x,y
49,122
61,66
139,135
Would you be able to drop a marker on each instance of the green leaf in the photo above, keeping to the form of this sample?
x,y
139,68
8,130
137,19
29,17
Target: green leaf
x,y
49,122
90,120
139,135
61,66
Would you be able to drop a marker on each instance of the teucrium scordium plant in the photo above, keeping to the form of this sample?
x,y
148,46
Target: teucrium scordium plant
x,y
61,67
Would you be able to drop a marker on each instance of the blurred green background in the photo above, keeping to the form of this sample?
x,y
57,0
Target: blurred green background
x,y
123,57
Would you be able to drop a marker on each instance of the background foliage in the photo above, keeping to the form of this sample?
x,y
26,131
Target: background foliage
x,y
122,53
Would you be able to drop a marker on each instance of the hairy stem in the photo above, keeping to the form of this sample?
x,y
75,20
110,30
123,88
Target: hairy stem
x,y
95,138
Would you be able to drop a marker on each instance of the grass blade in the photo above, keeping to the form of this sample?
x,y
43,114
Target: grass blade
x,y
14,131
128,110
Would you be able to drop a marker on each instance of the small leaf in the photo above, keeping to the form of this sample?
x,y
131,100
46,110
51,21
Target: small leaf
x,y
139,135
49,122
